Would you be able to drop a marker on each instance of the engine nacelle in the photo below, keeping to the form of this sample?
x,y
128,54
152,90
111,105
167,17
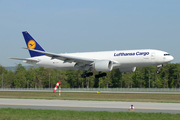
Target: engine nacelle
x,y
128,69
103,65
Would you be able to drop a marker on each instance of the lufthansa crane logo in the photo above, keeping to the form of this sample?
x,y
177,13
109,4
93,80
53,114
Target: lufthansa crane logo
x,y
31,44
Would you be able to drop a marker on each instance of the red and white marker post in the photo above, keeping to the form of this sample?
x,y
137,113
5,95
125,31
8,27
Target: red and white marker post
x,y
60,90
58,84
132,108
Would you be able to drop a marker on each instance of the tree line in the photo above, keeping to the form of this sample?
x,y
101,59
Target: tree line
x,y
143,77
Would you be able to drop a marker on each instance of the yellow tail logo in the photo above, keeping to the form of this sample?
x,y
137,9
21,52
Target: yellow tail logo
x,y
31,44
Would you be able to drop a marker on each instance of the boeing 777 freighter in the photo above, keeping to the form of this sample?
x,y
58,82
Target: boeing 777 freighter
x,y
124,60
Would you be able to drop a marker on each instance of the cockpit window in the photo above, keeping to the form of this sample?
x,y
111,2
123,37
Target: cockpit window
x,y
166,54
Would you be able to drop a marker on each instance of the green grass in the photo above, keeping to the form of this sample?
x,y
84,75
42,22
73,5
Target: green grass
x,y
130,97
30,114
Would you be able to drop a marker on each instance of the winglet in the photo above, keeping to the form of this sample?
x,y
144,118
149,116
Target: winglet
x,y
32,44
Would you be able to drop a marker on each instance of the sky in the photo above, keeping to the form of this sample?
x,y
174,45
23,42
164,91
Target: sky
x,y
67,26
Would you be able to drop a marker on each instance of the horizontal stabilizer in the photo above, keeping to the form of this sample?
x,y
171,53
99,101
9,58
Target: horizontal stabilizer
x,y
25,59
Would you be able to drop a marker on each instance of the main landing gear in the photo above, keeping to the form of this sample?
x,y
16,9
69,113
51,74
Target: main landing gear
x,y
100,75
159,67
87,74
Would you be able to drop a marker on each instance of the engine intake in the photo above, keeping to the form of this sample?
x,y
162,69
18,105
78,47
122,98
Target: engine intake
x,y
103,65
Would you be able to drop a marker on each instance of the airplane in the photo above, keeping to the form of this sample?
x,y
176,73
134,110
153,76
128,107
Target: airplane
x,y
124,60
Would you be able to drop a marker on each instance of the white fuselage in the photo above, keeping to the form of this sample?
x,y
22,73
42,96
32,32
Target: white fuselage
x,y
122,59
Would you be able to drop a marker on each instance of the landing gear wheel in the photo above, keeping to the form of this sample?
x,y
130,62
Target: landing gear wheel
x,y
87,74
100,75
97,76
158,72
83,76
159,67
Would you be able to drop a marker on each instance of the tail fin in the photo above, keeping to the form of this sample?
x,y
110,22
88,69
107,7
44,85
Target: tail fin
x,y
32,44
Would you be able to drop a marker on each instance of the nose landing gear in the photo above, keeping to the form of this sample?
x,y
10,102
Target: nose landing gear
x,y
159,67
158,71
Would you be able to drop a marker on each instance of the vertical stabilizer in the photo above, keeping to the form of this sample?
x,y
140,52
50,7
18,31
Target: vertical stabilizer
x,y
32,44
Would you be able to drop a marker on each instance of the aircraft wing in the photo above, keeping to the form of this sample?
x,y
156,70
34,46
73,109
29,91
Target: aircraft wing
x,y
65,58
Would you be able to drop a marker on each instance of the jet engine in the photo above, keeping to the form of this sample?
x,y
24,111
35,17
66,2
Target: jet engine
x,y
128,69
103,65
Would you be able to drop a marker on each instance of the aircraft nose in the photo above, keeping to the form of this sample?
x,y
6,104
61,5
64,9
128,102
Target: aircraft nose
x,y
168,58
171,58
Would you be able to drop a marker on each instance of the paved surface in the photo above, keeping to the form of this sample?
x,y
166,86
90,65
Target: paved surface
x,y
90,105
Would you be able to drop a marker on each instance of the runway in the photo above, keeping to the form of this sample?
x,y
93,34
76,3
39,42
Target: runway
x,y
90,105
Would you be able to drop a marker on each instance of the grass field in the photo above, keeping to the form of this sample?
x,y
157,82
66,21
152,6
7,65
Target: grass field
x,y
165,98
29,114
